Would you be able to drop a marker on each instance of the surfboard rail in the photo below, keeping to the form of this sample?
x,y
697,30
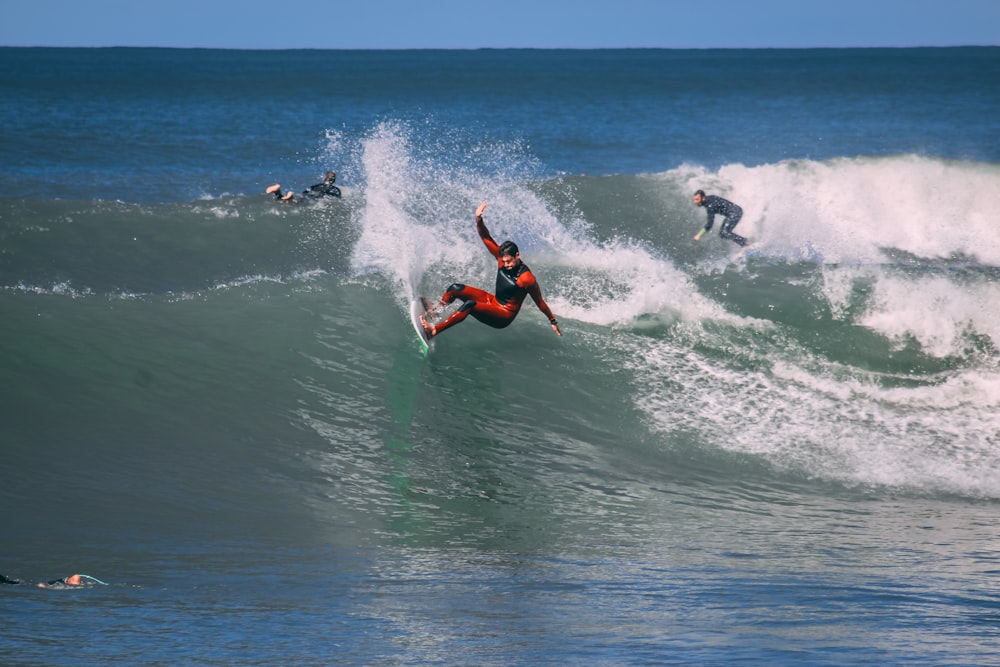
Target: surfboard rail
x,y
416,310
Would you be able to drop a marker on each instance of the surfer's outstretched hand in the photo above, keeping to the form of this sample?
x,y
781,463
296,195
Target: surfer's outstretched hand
x,y
482,207
555,327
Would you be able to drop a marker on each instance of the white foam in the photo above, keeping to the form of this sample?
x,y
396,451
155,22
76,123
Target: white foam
x,y
939,313
847,210
867,219
749,393
417,227
831,422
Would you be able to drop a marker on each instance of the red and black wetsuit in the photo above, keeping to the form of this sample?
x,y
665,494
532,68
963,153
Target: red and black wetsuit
x,y
500,309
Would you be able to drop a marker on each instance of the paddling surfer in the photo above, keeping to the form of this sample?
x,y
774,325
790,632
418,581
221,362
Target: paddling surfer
x,y
317,191
324,189
72,581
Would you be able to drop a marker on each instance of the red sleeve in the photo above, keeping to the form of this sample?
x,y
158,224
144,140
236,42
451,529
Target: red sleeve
x,y
488,241
527,281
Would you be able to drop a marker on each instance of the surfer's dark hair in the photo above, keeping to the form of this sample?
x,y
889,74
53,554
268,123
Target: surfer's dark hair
x,y
700,192
509,248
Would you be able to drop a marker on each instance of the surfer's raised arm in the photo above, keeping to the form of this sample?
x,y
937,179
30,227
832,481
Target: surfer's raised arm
x,y
484,233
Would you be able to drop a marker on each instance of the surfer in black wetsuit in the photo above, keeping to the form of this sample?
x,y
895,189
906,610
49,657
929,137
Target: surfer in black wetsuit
x,y
717,205
514,282
324,189
318,191
72,581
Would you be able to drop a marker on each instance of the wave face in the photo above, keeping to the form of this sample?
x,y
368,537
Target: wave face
x,y
215,402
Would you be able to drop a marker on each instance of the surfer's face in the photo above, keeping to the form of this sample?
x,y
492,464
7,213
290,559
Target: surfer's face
x,y
698,199
510,261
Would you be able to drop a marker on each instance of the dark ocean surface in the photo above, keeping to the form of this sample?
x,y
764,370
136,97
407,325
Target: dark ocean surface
x,y
214,402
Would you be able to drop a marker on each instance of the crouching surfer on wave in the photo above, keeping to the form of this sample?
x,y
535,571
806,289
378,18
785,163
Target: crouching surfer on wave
x,y
514,282
730,212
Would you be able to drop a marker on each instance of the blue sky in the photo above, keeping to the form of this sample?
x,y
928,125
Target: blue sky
x,y
398,24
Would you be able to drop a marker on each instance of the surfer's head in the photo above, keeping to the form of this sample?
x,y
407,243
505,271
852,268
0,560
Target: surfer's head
x,y
330,177
699,197
509,254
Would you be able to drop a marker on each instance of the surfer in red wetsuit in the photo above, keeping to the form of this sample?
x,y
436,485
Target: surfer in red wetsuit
x,y
514,281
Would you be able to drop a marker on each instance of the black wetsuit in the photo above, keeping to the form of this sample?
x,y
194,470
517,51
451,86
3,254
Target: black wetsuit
x,y
322,190
85,580
727,209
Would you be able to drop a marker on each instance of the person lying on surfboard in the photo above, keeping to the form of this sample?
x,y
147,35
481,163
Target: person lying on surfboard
x,y
514,282
72,581
318,191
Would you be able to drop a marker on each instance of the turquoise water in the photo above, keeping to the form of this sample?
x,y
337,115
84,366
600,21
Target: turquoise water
x,y
215,402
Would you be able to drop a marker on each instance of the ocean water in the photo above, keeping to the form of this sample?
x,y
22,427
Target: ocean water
x,y
215,404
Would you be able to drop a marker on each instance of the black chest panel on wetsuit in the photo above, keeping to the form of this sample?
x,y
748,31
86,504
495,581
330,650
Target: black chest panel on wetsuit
x,y
507,287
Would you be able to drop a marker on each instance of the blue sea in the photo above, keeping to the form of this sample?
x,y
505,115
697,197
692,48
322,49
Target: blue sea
x,y
214,402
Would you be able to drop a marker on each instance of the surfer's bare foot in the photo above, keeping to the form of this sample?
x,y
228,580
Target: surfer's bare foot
x,y
430,329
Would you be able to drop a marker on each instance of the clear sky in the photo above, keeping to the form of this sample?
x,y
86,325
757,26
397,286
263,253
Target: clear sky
x,y
462,24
